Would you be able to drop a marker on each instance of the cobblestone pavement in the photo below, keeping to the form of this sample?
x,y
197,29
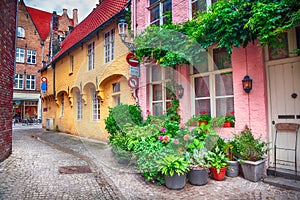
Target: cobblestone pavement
x,y
32,173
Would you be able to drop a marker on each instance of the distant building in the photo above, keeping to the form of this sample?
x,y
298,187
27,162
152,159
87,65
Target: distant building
x,y
39,35
7,52
88,75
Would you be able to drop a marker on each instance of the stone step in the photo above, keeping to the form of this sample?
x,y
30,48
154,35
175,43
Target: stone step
x,y
284,173
284,178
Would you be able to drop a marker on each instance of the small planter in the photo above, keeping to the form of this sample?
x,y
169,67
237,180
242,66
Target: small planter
x,y
175,182
253,171
233,168
227,124
218,176
198,176
202,122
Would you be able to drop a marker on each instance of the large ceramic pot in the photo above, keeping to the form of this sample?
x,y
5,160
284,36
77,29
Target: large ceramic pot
x,y
218,176
253,171
198,176
175,182
233,168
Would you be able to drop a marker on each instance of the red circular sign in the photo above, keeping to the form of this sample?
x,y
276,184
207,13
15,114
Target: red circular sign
x,y
44,79
132,59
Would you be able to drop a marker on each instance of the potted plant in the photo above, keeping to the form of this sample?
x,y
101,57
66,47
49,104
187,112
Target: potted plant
x,y
174,169
229,120
232,162
217,122
217,160
251,151
198,174
204,117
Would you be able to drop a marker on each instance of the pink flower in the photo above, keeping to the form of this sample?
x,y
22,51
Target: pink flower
x,y
148,112
186,138
181,125
176,141
166,138
160,137
163,130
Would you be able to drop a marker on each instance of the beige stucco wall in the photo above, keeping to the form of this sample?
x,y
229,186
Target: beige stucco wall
x,y
100,79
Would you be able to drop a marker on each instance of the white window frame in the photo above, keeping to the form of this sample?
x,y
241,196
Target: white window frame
x,y
109,43
95,106
71,63
62,104
158,4
163,82
116,93
19,81
91,56
30,82
211,73
208,4
79,106
20,55
20,32
31,57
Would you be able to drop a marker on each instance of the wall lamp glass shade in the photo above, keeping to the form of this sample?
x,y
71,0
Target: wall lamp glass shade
x,y
123,29
180,91
247,84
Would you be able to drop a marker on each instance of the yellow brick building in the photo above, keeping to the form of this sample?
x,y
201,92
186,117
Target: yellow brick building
x,y
88,75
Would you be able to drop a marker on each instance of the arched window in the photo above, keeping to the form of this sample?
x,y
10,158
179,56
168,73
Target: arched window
x,y
21,32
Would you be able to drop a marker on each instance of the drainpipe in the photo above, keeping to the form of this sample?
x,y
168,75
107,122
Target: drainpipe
x,y
54,91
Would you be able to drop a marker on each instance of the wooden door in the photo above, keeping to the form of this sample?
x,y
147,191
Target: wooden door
x,y
284,84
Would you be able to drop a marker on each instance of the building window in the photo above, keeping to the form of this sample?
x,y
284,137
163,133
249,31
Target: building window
x,y
62,105
198,6
71,64
30,82
160,97
109,39
31,56
79,106
213,85
116,95
96,106
21,32
19,79
20,55
91,49
158,10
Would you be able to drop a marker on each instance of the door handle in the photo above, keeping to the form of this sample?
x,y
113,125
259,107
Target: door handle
x,y
273,122
294,95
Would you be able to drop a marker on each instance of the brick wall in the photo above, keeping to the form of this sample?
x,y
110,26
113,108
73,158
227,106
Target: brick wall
x,y
7,51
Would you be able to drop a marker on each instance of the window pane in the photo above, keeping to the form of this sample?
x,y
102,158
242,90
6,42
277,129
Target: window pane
x,y
157,92
169,73
156,73
200,63
198,6
167,6
153,1
157,109
224,84
224,106
154,13
222,59
202,105
280,49
202,87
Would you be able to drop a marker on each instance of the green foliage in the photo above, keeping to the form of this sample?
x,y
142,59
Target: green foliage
x,y
121,115
197,158
217,121
228,24
217,159
248,147
173,163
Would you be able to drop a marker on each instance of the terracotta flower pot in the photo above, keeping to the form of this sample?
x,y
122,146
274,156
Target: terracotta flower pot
x,y
218,176
202,122
227,124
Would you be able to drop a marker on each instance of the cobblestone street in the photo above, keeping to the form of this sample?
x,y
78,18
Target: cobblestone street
x,y
32,172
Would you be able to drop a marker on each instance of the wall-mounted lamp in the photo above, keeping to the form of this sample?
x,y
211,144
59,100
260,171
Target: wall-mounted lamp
x,y
180,91
247,84
123,33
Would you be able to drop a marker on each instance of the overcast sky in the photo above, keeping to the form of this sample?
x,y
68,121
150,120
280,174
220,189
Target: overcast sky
x,y
84,6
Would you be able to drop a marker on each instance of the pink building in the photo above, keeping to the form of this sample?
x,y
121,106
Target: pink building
x,y
216,86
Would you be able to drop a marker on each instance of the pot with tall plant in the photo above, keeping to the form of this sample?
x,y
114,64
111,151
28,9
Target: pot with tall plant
x,y
199,167
218,165
232,162
251,152
174,169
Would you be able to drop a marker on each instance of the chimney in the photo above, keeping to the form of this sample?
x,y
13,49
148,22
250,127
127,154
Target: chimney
x,y
65,12
75,16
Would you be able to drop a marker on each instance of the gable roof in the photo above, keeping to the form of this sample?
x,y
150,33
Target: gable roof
x,y
41,20
102,14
